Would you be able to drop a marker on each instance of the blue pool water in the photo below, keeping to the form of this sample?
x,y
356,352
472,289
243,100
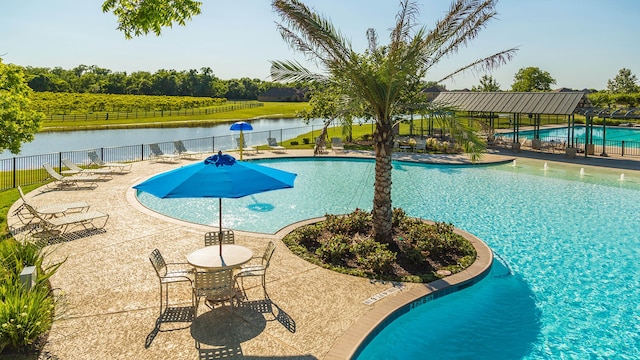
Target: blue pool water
x,y
569,286
613,133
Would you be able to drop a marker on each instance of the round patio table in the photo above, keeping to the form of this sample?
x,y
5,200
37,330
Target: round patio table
x,y
209,257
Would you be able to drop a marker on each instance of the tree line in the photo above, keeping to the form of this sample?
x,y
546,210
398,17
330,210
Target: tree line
x,y
97,80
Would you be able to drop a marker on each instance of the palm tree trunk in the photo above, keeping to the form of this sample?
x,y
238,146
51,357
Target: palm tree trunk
x,y
382,209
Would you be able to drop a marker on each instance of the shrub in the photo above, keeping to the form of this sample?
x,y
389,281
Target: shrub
x,y
305,140
335,249
24,314
373,256
293,143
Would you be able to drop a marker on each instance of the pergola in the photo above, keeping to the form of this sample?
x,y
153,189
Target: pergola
x,y
531,104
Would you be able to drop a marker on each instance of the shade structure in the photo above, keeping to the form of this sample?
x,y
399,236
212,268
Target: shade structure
x,y
219,176
241,126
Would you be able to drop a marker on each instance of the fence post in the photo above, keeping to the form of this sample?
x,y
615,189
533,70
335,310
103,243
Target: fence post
x,y
213,144
60,161
142,152
14,171
622,147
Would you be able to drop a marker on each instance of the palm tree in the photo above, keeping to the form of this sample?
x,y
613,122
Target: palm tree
x,y
380,76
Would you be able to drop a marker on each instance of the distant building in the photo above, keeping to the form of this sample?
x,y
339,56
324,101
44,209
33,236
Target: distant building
x,y
284,94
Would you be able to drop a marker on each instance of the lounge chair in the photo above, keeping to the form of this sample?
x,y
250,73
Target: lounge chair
x,y
336,144
274,147
27,218
60,224
122,167
183,152
158,155
244,147
75,170
60,182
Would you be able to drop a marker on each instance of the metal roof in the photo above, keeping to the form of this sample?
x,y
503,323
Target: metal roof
x,y
553,103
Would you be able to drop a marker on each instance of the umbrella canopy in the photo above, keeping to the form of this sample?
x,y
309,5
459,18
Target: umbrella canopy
x,y
241,126
219,176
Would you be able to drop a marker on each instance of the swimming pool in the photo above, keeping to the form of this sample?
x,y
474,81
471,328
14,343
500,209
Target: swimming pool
x,y
614,133
569,285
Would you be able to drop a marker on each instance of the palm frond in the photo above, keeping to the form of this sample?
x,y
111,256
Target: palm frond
x,y
485,64
405,21
292,71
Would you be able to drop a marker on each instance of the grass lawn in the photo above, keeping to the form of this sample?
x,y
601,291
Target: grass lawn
x,y
269,110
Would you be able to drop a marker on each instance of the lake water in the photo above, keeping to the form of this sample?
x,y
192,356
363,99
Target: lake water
x,y
51,142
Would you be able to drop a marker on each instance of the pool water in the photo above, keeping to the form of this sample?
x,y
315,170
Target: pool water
x,y
568,284
614,133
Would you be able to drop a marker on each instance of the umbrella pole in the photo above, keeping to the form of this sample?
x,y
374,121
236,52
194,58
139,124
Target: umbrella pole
x,y
241,143
220,224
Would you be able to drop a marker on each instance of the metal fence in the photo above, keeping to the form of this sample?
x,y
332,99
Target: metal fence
x,y
27,170
610,147
138,114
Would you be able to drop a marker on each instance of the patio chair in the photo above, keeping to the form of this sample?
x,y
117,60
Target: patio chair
x,y
245,149
122,167
259,269
61,182
211,238
216,286
336,144
158,155
25,216
320,147
183,152
274,147
59,225
75,170
169,273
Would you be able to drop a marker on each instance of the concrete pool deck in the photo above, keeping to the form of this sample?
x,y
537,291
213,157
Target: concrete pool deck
x,y
108,292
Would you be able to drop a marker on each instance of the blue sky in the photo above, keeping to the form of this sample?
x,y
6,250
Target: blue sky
x,y
581,43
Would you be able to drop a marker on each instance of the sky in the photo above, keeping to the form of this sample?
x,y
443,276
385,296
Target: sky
x,y
581,43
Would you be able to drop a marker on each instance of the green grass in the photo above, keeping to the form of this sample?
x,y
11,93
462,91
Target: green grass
x,y
269,110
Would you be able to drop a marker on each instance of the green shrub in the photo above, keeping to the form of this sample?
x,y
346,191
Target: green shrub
x,y
24,314
335,249
305,141
294,143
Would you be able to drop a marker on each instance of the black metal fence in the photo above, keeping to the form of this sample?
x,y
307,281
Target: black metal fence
x,y
27,170
137,114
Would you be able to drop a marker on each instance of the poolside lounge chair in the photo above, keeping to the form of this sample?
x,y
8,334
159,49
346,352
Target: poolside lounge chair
x,y
336,144
60,224
61,182
244,147
183,152
122,167
27,218
274,147
75,170
158,155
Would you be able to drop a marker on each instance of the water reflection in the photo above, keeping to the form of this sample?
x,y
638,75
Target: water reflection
x,y
51,142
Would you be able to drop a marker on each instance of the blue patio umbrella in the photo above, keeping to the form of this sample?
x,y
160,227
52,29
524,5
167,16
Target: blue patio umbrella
x,y
218,176
241,126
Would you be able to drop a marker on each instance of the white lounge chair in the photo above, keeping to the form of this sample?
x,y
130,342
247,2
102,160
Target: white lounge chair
x,y
60,224
60,182
244,147
336,144
183,152
274,147
75,170
158,155
27,218
122,167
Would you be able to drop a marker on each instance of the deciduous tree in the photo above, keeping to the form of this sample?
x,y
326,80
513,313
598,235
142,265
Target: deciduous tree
x,y
18,122
623,83
532,79
487,83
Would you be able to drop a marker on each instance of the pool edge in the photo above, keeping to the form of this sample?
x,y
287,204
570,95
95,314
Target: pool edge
x,y
351,342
